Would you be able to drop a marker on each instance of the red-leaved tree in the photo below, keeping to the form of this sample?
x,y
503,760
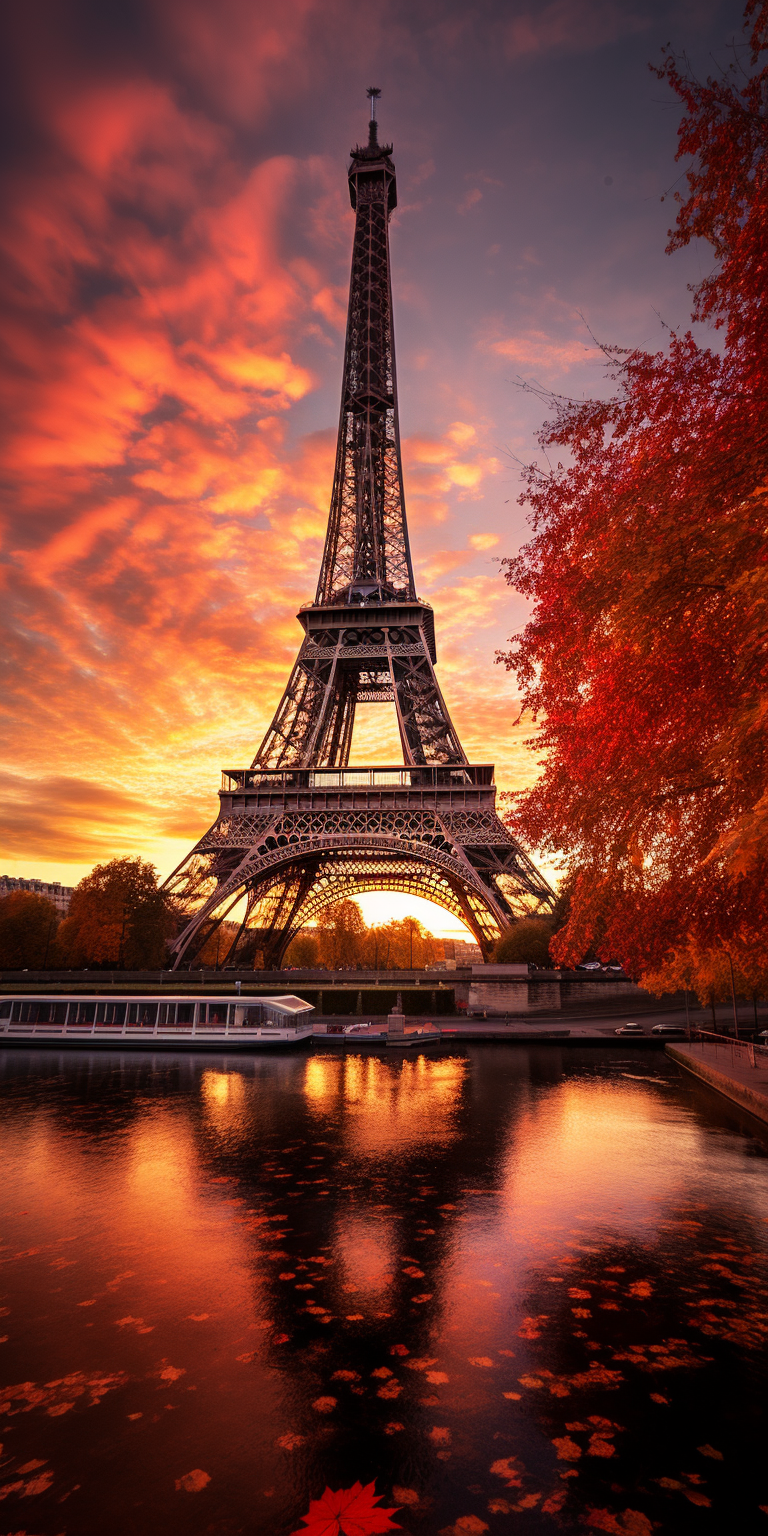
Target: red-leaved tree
x,y
644,660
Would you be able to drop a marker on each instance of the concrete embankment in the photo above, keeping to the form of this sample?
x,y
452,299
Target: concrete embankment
x,y
728,1068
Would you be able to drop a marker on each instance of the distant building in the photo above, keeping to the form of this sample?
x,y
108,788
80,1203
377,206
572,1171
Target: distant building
x,y
59,894
457,952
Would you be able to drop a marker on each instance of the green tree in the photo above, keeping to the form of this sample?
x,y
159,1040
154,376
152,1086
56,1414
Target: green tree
x,y
117,916
526,942
28,925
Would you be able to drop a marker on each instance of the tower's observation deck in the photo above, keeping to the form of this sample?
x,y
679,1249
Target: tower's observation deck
x,y
301,828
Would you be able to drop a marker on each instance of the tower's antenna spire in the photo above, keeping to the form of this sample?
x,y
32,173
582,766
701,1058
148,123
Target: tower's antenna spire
x,y
373,96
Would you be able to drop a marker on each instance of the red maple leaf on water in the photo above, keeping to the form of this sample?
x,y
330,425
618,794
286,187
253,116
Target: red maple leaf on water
x,y
347,1512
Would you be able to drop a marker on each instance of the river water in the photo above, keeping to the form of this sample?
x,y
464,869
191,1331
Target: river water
x,y
518,1288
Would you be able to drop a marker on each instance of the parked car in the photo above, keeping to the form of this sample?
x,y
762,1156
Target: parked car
x,y
763,1035
673,1030
589,965
629,1029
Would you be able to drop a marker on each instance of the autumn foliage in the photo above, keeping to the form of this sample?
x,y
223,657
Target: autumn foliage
x,y
348,1512
117,916
644,660
342,939
28,924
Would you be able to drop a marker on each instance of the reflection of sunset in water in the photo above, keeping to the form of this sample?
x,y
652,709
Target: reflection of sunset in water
x,y
388,1106
258,1277
365,1252
595,1145
225,1098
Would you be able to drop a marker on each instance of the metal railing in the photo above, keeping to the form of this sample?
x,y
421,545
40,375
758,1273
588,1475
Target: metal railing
x,y
740,1050
419,776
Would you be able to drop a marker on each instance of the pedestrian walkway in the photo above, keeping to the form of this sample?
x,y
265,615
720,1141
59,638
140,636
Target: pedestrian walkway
x,y
734,1068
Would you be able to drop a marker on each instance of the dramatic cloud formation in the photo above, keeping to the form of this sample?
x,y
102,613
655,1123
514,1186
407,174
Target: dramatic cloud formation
x,y
175,254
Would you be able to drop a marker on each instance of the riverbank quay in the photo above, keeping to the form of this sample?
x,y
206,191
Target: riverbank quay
x,y
735,1068
481,992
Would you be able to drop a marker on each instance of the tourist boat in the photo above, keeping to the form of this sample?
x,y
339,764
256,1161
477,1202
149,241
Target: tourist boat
x,y
171,1022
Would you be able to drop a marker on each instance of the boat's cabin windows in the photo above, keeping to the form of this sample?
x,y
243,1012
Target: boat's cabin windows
x,y
213,1013
144,1014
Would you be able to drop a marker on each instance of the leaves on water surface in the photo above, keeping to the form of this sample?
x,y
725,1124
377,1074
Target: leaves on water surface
x,y
425,1296
289,1442
437,1378
348,1512
198,1317
578,1295
393,1428
481,1360
405,1496
709,1450
508,1467
59,1396
658,1397
641,1289
598,1446
171,1372
631,1523
324,1404
398,1349
555,1502
193,1482
390,1390
440,1435
345,1376
530,1328
382,1372
567,1449
420,1362
514,1397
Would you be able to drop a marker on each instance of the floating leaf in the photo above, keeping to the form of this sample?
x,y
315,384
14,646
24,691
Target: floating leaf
x,y
405,1496
289,1442
347,1512
567,1449
193,1482
709,1450
324,1404
481,1360
554,1503
390,1390
439,1435
509,1468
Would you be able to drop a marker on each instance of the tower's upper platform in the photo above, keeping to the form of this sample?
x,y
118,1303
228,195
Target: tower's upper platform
x,y
372,162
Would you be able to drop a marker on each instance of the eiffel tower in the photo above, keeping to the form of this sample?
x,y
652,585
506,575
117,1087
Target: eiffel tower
x,y
300,828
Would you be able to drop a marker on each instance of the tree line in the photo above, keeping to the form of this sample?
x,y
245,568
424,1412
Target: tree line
x,y
119,919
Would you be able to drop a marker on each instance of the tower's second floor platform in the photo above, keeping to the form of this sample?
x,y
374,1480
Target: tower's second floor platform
x,y
418,786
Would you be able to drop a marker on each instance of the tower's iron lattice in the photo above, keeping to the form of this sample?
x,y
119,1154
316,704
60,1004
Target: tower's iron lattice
x,y
301,829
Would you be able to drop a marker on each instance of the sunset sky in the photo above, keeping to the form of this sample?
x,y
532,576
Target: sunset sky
x,y
175,260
